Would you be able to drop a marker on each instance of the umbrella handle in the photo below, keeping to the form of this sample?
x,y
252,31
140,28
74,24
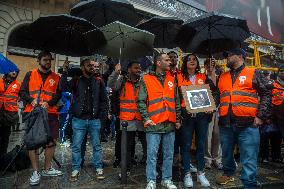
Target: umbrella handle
x,y
119,55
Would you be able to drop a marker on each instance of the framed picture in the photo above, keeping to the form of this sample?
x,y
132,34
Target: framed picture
x,y
198,98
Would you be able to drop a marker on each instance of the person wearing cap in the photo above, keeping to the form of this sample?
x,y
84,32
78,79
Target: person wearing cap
x,y
278,99
244,103
9,95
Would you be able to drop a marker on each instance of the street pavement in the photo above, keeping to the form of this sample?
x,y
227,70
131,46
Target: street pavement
x,y
269,175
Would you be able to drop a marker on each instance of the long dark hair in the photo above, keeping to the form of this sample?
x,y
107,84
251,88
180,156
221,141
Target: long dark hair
x,y
184,71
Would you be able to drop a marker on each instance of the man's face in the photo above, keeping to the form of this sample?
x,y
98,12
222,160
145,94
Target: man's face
x,y
232,59
135,69
45,62
281,74
164,62
174,59
96,67
90,67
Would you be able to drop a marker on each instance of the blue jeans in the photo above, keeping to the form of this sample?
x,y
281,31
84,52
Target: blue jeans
x,y
80,128
248,140
153,143
199,124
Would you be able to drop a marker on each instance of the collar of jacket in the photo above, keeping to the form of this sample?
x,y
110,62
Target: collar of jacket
x,y
280,81
238,69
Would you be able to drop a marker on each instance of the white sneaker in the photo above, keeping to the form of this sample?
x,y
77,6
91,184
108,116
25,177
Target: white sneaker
x,y
193,169
151,185
188,180
100,174
35,178
51,172
203,180
168,184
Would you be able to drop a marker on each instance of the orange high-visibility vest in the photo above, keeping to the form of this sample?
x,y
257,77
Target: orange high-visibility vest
x,y
199,80
241,94
161,99
46,90
128,103
10,96
277,94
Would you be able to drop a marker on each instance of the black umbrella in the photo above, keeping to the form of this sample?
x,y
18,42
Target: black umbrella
x,y
125,42
103,12
64,34
164,28
212,33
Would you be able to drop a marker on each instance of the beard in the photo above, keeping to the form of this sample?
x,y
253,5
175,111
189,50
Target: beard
x,y
230,64
45,67
89,73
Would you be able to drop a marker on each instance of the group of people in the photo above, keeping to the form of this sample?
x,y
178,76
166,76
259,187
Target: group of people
x,y
153,106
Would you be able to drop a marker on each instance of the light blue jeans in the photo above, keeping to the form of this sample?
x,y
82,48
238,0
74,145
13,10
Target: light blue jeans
x,y
80,128
248,140
153,143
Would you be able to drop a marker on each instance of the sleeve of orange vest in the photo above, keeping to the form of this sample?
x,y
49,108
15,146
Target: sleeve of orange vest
x,y
261,84
142,101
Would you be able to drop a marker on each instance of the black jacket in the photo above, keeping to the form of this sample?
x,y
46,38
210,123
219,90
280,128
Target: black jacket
x,y
261,84
78,89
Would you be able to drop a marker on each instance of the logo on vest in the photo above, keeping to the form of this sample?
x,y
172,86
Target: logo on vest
x,y
200,82
14,86
242,79
170,84
51,82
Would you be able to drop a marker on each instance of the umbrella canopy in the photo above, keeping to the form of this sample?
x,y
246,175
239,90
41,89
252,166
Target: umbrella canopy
x,y
7,66
212,33
103,12
64,34
164,28
125,42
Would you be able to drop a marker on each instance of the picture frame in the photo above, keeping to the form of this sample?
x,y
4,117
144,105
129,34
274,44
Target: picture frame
x,y
198,98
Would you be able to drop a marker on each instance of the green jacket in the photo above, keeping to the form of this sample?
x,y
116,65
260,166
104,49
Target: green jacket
x,y
164,127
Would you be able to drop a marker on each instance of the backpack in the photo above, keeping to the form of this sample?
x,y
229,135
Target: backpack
x,y
37,133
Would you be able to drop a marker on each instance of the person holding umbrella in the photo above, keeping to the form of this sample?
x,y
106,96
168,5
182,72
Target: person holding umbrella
x,y
159,106
89,106
9,96
40,87
198,123
245,100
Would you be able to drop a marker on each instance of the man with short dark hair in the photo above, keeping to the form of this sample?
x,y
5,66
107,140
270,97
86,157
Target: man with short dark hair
x,y
159,106
244,105
128,87
89,105
40,87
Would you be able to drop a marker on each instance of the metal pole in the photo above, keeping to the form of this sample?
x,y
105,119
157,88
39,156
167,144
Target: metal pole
x,y
124,125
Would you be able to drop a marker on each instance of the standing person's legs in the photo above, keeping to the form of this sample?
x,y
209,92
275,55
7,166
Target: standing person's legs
x,y
275,140
5,132
249,148
94,127
130,148
168,154
187,130
142,139
79,131
117,148
216,146
209,143
264,147
153,143
84,148
201,130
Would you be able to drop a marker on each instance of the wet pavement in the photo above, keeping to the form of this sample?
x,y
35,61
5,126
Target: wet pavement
x,y
269,175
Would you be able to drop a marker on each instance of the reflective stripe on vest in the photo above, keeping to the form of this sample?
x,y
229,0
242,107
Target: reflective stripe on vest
x,y
9,97
46,90
241,95
161,101
199,80
128,103
277,94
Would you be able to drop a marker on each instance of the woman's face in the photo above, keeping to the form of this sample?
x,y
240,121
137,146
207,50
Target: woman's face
x,y
191,62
